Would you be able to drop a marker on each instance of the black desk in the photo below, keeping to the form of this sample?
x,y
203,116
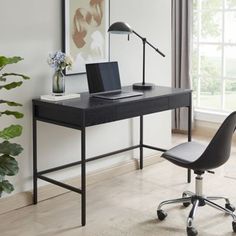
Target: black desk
x,y
85,111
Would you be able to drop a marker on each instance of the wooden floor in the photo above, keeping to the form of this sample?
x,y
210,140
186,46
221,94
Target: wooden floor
x,y
126,205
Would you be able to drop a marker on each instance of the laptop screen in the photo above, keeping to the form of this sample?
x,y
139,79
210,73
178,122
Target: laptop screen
x,y
103,76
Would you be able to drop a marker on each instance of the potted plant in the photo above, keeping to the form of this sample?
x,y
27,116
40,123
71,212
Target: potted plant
x,y
9,150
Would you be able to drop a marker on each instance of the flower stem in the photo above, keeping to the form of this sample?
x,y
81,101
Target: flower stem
x,y
58,79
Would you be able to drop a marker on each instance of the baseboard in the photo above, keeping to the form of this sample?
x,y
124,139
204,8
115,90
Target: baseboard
x,y
207,130
24,199
177,131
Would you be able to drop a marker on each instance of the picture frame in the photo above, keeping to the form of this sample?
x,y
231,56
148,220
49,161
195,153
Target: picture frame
x,y
84,32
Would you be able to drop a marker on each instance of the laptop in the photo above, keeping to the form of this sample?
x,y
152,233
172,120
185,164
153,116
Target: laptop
x,y
104,81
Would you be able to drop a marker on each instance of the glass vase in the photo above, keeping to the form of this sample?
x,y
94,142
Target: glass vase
x,y
58,83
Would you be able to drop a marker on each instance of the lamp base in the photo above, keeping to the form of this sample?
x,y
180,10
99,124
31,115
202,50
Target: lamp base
x,y
142,86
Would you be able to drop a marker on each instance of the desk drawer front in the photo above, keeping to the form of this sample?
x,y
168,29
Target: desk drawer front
x,y
180,100
125,111
146,107
59,115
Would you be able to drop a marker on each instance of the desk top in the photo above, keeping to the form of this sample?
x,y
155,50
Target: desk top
x,y
86,102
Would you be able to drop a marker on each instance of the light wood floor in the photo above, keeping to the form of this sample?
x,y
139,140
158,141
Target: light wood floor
x,y
126,205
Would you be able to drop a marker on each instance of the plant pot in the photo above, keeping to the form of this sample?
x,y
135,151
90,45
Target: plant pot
x,y
58,83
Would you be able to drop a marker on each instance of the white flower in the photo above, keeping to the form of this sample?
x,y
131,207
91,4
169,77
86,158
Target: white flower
x,y
68,61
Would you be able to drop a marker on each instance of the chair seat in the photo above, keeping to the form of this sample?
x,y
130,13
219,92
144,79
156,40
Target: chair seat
x,y
185,154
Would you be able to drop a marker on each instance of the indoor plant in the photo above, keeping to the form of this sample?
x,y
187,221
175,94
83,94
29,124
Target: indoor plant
x,y
9,150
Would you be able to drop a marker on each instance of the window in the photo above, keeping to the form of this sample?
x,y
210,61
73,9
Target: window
x,y
214,55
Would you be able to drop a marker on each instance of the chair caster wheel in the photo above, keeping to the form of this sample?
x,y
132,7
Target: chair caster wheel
x,y
161,214
230,207
191,231
234,226
185,204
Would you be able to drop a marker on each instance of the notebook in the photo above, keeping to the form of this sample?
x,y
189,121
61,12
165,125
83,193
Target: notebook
x,y
104,81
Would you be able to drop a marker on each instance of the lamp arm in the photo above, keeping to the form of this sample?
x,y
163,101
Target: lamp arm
x,y
144,39
156,49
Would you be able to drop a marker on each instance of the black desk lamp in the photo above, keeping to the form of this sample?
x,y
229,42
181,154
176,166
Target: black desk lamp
x,y
124,28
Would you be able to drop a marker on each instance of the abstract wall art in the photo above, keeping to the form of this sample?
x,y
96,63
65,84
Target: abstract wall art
x,y
84,33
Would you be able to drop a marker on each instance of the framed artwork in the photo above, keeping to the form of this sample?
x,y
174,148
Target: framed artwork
x,y
84,33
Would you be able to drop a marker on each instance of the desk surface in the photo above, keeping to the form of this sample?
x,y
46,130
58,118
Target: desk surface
x,y
87,111
86,102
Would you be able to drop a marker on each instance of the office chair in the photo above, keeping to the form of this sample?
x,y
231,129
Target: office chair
x,y
201,159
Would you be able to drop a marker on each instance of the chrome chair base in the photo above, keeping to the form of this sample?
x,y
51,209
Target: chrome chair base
x,y
198,201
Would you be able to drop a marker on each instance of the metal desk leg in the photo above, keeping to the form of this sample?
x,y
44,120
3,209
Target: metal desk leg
x,y
35,180
83,177
141,143
189,133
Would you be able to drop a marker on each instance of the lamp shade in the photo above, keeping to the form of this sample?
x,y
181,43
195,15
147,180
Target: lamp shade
x,y
120,28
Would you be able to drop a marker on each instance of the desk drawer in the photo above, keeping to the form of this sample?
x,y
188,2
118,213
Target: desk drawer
x,y
180,100
146,107
60,115
124,111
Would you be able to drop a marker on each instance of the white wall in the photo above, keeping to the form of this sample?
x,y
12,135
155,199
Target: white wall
x,y
32,29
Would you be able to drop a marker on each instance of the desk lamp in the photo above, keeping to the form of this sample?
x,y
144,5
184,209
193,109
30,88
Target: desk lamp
x,y
124,28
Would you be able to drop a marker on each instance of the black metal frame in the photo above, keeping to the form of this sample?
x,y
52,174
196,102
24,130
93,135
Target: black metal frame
x,y
83,161
145,85
189,133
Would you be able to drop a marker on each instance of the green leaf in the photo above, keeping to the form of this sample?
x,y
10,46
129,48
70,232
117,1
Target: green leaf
x,y
9,103
11,132
15,74
18,115
12,149
2,78
6,186
8,165
9,60
11,85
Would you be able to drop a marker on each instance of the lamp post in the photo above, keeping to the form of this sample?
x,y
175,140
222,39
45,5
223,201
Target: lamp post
x,y
124,28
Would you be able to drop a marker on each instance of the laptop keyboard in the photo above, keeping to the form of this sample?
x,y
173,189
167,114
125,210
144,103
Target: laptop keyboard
x,y
117,94
114,93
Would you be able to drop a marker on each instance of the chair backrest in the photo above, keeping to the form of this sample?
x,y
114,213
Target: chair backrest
x,y
218,150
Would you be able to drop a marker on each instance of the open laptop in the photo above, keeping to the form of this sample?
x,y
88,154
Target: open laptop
x,y
104,81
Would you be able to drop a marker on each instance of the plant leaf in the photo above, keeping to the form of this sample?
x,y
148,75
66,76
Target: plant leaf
x,y
12,149
11,132
8,165
9,103
11,85
9,60
6,186
2,78
15,74
18,115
